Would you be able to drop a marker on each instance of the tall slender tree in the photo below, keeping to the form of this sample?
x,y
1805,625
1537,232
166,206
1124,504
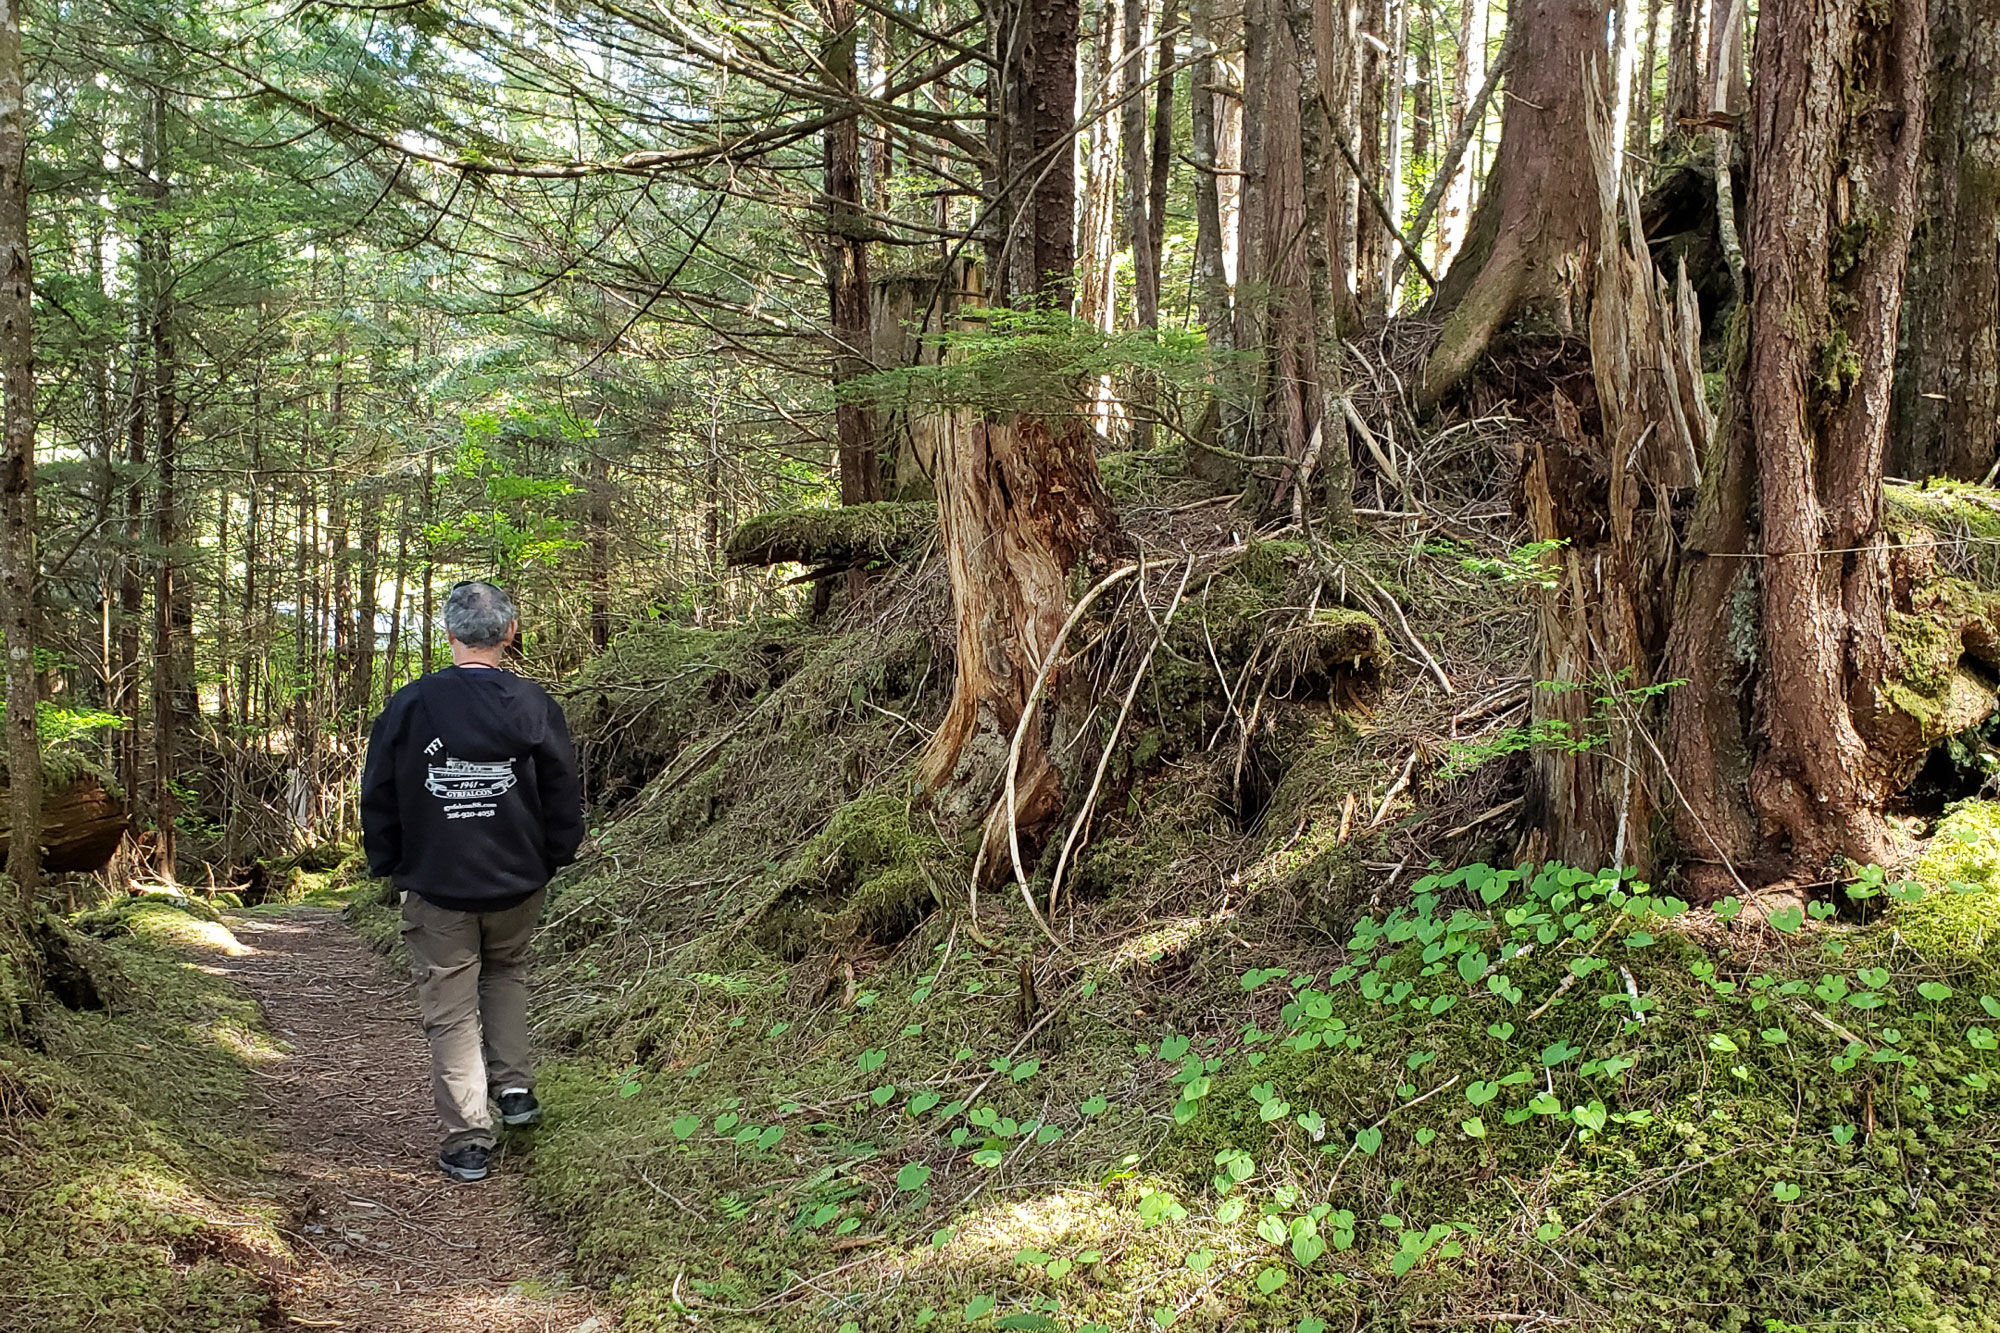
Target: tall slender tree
x,y
18,573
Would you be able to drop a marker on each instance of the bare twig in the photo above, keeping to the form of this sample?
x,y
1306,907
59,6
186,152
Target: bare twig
x,y
1076,830
1010,800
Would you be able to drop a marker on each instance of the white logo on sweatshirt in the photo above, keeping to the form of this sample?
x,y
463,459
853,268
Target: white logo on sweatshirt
x,y
459,780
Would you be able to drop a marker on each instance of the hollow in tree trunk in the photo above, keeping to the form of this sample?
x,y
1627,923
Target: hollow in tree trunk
x,y
1525,254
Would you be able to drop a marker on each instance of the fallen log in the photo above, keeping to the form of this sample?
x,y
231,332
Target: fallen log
x,y
83,819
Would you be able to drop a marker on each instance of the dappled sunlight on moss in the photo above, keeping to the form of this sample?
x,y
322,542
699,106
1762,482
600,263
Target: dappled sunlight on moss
x,y
125,1176
1959,919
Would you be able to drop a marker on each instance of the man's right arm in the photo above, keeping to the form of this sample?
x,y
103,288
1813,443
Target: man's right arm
x,y
381,813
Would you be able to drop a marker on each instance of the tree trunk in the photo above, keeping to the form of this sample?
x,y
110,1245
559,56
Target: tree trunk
x,y
1019,498
368,572
1280,322
1031,238
1688,84
599,499
1331,305
1835,135
392,659
1468,76
18,574
1525,257
1211,278
846,259
1136,207
1947,398
173,605
1609,496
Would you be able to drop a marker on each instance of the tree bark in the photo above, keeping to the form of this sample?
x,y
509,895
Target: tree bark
x,y
600,550
18,573
1031,238
1610,497
1947,397
1276,314
1468,76
1211,278
1525,257
1020,502
1835,135
1688,85
173,607
1331,304
846,259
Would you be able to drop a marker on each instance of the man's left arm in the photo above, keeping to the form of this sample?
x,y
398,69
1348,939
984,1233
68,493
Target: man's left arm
x,y
561,791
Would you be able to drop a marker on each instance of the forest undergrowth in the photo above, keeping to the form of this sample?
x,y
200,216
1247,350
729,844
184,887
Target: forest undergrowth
x,y
1302,1054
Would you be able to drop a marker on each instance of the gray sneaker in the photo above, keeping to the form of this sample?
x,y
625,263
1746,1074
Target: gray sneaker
x,y
467,1162
519,1107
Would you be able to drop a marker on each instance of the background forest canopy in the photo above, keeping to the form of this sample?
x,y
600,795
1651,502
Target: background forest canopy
x,y
336,304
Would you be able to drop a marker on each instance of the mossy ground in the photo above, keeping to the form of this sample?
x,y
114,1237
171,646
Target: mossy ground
x,y
126,1141
834,1124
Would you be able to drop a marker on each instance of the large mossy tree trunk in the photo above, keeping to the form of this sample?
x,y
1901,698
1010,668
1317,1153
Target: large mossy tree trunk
x,y
1947,403
1783,740
1020,501
1526,254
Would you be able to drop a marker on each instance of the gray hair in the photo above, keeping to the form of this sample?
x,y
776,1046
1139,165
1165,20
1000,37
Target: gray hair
x,y
477,614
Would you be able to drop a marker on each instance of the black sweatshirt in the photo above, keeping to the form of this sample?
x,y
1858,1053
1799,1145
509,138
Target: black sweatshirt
x,y
470,796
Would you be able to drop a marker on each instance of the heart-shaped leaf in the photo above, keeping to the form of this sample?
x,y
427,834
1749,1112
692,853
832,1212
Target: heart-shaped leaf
x,y
1368,1140
1270,1280
913,1176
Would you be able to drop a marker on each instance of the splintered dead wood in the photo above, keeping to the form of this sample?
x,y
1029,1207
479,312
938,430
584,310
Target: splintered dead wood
x,y
388,1245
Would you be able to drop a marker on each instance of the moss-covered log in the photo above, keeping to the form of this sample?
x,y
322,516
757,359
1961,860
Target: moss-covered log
x,y
850,537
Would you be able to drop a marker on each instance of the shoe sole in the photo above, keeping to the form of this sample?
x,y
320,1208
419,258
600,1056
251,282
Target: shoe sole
x,y
465,1174
533,1117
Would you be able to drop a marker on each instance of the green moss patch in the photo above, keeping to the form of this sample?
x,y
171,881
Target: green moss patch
x,y
125,1145
843,536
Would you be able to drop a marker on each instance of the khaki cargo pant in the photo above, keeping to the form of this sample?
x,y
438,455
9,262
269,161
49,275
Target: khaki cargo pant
x,y
471,970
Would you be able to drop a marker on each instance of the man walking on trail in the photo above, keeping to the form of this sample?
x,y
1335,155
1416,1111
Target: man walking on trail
x,y
469,803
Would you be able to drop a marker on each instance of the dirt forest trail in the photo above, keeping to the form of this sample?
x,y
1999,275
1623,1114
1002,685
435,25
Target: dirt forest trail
x,y
387,1244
